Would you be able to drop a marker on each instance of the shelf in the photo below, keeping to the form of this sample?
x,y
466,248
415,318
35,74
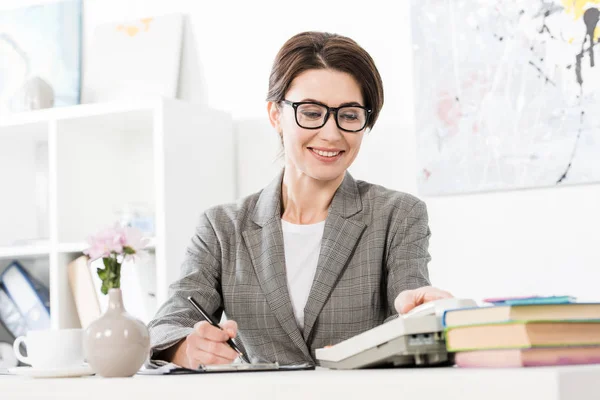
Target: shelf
x,y
80,111
79,247
23,132
43,249
30,250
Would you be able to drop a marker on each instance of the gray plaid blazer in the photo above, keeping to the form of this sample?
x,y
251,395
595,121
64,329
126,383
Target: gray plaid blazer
x,y
374,246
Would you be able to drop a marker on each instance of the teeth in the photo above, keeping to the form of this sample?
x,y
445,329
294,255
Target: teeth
x,y
326,153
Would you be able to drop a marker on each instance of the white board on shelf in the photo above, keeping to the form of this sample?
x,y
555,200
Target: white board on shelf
x,y
134,58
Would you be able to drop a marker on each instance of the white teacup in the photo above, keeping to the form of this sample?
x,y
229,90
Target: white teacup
x,y
52,348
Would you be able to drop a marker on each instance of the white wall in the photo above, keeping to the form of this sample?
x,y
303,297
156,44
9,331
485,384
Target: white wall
x,y
509,243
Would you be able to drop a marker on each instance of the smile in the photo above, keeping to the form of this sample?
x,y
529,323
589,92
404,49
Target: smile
x,y
326,155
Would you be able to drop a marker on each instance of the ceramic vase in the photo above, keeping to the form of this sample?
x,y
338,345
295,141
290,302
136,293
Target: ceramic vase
x,y
116,344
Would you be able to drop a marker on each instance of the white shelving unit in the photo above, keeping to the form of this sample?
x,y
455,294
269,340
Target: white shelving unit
x,y
66,173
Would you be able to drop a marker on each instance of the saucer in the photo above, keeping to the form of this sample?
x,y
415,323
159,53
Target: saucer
x,y
67,372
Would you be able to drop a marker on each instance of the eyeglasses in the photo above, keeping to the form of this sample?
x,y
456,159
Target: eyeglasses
x,y
312,115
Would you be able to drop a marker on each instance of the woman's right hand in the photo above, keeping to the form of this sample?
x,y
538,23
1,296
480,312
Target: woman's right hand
x,y
207,345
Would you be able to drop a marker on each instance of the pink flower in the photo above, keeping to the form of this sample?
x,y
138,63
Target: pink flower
x,y
115,245
132,238
133,242
103,244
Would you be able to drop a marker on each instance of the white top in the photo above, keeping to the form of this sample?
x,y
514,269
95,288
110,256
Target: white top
x,y
302,244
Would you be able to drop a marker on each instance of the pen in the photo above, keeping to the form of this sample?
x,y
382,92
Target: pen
x,y
213,323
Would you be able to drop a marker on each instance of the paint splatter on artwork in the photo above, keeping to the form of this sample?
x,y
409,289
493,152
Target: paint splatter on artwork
x,y
507,93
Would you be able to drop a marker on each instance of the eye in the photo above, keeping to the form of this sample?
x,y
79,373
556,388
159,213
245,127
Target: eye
x,y
347,116
311,114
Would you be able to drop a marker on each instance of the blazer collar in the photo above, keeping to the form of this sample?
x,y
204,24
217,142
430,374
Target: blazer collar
x,y
346,200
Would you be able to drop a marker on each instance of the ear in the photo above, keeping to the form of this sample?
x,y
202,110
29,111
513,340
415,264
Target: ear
x,y
274,115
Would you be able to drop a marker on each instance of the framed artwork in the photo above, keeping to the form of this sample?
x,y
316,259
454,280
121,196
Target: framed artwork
x,y
507,93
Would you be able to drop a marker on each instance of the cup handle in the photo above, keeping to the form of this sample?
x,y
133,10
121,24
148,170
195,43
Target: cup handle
x,y
17,349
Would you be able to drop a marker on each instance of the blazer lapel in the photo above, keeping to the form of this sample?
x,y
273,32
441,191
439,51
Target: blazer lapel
x,y
266,249
340,237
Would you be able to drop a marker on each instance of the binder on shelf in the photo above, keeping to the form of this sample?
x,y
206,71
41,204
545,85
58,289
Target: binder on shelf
x,y
84,291
30,297
10,318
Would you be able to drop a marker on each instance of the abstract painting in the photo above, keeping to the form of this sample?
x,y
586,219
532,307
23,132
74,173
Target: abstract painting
x,y
507,93
41,41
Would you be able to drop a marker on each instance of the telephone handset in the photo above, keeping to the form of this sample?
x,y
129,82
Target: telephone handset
x,y
414,338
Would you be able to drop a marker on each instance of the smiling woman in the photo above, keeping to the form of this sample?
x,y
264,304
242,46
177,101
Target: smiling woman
x,y
316,257
315,144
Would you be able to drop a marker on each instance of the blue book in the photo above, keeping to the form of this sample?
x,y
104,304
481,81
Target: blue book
x,y
30,297
10,317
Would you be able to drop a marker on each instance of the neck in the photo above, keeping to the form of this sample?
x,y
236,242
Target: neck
x,y
306,200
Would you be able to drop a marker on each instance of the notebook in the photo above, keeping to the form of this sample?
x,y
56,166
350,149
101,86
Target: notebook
x,y
173,369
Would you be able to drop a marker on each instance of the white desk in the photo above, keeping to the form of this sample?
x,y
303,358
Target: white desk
x,y
549,383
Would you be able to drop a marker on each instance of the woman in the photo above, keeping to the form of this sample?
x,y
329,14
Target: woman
x,y
316,257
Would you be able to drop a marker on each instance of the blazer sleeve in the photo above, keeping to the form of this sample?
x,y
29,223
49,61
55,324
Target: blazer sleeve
x,y
408,255
200,277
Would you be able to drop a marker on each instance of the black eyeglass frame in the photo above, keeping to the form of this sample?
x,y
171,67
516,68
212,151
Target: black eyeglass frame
x,y
330,110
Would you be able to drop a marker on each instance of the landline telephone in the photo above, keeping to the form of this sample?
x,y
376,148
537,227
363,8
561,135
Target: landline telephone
x,y
413,339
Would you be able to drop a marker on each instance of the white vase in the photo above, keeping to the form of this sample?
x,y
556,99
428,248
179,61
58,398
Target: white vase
x,y
116,344
35,94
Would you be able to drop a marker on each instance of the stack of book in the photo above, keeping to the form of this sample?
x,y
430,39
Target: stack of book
x,y
524,334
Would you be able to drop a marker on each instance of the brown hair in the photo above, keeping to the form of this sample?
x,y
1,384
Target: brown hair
x,y
321,50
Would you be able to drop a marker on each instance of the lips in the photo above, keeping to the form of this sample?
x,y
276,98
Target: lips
x,y
326,155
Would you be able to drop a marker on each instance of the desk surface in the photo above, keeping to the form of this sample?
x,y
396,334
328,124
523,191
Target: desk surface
x,y
548,383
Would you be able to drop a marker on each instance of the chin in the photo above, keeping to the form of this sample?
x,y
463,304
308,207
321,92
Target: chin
x,y
322,174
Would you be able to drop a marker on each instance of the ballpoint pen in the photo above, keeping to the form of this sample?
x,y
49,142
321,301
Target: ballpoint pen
x,y
214,323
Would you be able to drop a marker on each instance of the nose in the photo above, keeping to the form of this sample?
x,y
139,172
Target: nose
x,y
330,131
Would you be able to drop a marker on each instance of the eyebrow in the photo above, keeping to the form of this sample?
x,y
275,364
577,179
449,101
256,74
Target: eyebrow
x,y
348,104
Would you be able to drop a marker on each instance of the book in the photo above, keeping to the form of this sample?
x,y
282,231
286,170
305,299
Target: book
x,y
535,357
522,334
84,291
11,319
30,297
506,313
531,300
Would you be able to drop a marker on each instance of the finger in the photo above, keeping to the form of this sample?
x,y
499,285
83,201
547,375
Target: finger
x,y
230,327
409,299
219,349
405,301
200,357
207,331
436,294
197,348
406,307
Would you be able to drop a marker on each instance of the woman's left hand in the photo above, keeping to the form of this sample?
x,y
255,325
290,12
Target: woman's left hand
x,y
409,299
